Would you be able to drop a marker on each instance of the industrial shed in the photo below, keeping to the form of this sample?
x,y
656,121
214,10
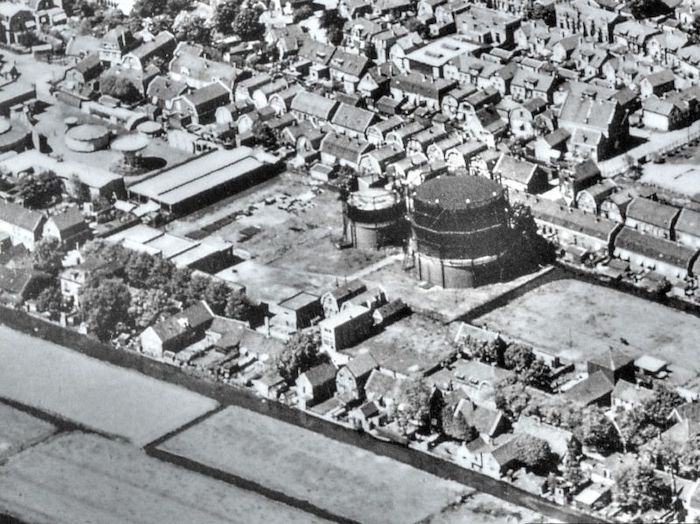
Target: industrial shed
x,y
205,179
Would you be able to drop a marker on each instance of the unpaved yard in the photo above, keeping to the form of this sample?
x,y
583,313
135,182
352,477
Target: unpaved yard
x,y
578,320
107,398
78,478
345,480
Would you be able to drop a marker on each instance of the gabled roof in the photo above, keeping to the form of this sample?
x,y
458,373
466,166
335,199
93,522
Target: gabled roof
x,y
348,63
20,216
362,365
660,78
485,420
69,220
314,104
207,96
90,67
655,248
317,52
353,118
320,375
596,114
163,88
514,169
628,392
651,212
198,316
344,147
381,387
688,222
590,390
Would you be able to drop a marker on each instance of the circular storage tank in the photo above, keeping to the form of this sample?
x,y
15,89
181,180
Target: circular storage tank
x,y
460,231
87,138
375,217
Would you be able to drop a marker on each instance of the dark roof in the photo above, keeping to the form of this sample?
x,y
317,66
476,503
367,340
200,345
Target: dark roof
x,y
208,97
688,222
415,83
586,170
195,317
164,88
654,247
69,220
652,212
15,281
353,118
313,104
19,216
591,389
614,359
348,290
345,147
458,192
320,375
348,63
90,66
483,419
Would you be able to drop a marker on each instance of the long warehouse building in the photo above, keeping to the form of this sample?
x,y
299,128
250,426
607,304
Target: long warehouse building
x,y
205,179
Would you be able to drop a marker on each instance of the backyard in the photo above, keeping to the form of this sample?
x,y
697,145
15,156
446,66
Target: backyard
x,y
107,398
578,321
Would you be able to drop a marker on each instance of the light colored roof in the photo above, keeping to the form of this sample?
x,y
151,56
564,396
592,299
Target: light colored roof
x,y
314,105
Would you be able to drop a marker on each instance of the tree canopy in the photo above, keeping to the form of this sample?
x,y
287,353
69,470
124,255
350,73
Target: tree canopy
x,y
104,304
534,453
414,403
195,30
246,24
48,256
225,15
121,88
37,190
637,488
301,352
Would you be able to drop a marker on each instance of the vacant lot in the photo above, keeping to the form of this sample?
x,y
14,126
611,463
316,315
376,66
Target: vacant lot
x,y
98,395
446,304
578,320
479,508
78,478
19,430
348,481
681,176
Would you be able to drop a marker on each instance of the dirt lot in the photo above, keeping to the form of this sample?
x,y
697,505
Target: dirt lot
x,y
298,226
19,430
79,478
445,304
108,398
348,481
578,320
412,345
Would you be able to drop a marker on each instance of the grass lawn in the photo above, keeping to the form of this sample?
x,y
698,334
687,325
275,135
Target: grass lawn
x,y
345,480
98,395
78,478
479,508
19,430
578,320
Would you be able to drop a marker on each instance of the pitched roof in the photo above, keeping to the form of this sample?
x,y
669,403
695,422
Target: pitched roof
x,y
348,63
485,420
164,88
344,147
353,118
688,222
313,104
362,365
597,114
382,387
320,375
195,317
628,392
655,248
590,389
514,169
651,212
69,220
20,216
212,95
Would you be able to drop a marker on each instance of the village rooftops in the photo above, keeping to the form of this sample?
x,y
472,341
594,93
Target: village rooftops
x,y
651,212
688,222
321,374
573,219
655,248
314,104
195,317
439,52
631,393
362,365
590,390
353,118
421,85
20,216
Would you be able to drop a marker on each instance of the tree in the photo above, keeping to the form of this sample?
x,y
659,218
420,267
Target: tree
x,y
512,398
413,403
79,191
50,301
48,256
159,273
538,375
416,25
647,8
518,357
151,8
196,289
246,24
300,353
148,305
216,295
121,88
635,429
38,190
105,304
532,248
303,12
534,453
226,13
179,284
264,136
333,23
238,306
638,489
660,406
541,12
597,431
572,463
488,351
138,268
195,30
456,426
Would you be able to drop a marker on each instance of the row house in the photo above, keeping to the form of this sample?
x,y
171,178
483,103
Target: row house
x,y
478,100
376,81
401,135
352,121
437,150
418,90
426,9
17,23
461,156
446,13
403,47
676,109
313,108
245,88
561,50
261,96
281,101
199,106
383,42
486,125
523,123
657,84
520,175
527,85
347,69
634,35
591,199
378,160
161,47
197,71
470,70
376,133
343,150
452,100
652,218
419,142
687,228
586,19
663,48
589,60
689,63
574,180
115,44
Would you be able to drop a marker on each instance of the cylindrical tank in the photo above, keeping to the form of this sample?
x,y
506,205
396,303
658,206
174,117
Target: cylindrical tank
x,y
375,218
460,231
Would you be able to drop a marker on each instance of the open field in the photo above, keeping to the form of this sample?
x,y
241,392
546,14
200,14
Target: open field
x,y
447,304
678,174
348,481
412,345
577,320
95,394
19,430
479,508
79,478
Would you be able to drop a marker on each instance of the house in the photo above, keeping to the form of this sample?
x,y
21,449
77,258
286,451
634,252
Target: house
x,y
667,258
652,218
582,176
587,19
630,396
593,390
271,385
598,128
634,35
552,146
162,91
615,364
390,312
401,135
343,150
419,142
316,385
175,333
557,438
297,311
437,150
16,24
657,83
489,423
197,72
245,88
345,329
199,107
460,157
486,125
687,228
383,389
375,162
591,199
84,76
313,108
347,69
686,423
352,121
261,96
115,44
351,378
73,279
23,225
527,85
18,285
281,101
161,47
520,175
68,227
418,90
332,301
487,26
